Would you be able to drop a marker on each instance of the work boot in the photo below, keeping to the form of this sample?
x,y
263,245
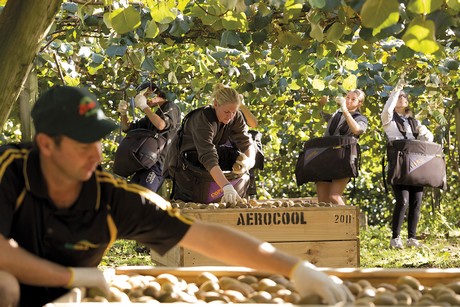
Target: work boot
x,y
396,243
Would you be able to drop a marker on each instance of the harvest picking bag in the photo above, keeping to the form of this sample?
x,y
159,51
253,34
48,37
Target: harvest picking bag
x,y
416,163
196,183
139,149
326,158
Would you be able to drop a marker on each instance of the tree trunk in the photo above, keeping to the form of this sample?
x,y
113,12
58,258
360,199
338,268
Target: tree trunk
x,y
23,25
26,99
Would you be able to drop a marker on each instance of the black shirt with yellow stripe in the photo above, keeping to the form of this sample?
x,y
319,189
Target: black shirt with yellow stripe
x,y
107,209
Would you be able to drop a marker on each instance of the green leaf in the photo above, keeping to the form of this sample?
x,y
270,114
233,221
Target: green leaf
x,y
424,6
419,36
291,11
148,64
172,78
181,4
380,13
316,32
151,29
162,13
317,4
229,38
69,81
116,50
179,28
350,82
228,4
125,20
350,65
318,84
335,32
453,4
235,21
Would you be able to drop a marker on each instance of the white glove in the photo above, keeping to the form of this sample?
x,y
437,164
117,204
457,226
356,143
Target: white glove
x,y
243,164
308,280
400,85
141,102
230,194
123,107
88,278
342,102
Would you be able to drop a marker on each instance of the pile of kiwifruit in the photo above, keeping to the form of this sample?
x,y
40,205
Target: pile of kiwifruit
x,y
208,288
254,203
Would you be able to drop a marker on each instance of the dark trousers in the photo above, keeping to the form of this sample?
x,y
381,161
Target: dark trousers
x,y
149,178
406,197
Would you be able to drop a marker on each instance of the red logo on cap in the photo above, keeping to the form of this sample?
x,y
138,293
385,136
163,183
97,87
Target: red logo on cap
x,y
86,105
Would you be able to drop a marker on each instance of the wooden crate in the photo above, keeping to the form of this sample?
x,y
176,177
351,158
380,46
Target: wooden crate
x,y
325,236
376,276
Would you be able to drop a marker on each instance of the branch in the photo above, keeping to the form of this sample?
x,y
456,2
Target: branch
x,y
61,76
88,2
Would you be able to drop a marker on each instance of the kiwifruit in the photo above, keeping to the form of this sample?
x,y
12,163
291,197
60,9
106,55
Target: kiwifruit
x,y
210,285
248,279
385,299
410,281
205,276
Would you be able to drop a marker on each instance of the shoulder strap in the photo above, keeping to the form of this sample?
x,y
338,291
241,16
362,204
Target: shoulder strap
x,y
400,124
344,127
334,122
413,126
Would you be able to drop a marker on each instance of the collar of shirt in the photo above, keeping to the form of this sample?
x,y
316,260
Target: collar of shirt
x,y
35,183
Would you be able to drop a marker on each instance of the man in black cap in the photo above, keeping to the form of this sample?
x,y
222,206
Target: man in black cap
x,y
164,122
59,213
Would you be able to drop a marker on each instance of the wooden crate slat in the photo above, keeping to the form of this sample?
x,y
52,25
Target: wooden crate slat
x,y
288,224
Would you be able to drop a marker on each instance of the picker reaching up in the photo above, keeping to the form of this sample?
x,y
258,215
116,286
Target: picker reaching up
x,y
398,124
162,125
346,121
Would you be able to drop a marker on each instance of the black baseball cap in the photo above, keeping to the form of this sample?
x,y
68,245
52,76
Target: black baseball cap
x,y
73,112
152,86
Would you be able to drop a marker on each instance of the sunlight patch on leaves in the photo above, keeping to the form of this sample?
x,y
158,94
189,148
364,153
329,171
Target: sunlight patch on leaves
x,y
424,6
419,36
379,14
151,29
163,12
350,82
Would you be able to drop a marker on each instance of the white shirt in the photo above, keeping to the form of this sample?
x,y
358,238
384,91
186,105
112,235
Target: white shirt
x,y
390,127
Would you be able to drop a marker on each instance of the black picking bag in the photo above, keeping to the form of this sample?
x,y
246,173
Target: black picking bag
x,y
416,163
195,183
326,158
139,149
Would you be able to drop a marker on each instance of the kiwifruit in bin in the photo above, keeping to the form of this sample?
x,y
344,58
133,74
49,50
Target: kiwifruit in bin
x,y
248,279
205,276
410,281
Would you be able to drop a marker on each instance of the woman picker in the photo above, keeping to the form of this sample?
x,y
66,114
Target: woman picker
x,y
202,140
399,124
346,121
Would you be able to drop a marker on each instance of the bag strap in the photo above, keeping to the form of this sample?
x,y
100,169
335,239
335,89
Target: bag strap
x,y
344,127
334,122
384,175
400,124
